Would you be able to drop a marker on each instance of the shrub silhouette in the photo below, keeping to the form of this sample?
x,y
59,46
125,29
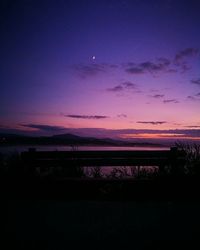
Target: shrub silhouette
x,y
192,164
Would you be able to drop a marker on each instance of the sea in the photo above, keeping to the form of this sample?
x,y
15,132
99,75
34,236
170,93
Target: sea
x,y
22,148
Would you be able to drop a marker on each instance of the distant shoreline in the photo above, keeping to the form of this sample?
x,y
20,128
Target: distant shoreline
x,y
71,140
22,148
85,145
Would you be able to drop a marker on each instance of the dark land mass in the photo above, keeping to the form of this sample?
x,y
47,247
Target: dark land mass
x,y
46,212
66,139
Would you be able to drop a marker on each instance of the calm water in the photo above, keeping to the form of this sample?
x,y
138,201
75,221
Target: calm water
x,y
20,148
89,171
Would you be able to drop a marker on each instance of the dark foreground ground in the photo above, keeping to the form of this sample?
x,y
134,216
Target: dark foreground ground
x,y
53,224
99,215
51,213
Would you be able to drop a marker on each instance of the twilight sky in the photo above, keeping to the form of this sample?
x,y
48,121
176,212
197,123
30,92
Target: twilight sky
x,y
114,68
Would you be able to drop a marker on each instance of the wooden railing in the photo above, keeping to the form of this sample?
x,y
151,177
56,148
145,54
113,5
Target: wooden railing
x,y
70,186
71,159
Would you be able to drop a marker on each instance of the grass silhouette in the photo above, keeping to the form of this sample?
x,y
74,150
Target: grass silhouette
x,y
192,164
122,181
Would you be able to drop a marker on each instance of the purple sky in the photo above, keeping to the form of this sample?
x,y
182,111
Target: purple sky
x,y
126,69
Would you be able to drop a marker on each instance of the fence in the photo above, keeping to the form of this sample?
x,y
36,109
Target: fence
x,y
72,159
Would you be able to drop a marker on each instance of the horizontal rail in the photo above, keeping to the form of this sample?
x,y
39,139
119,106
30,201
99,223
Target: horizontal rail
x,y
102,158
99,154
103,162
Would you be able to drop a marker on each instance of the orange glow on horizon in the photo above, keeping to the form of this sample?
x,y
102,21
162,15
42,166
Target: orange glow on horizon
x,y
158,136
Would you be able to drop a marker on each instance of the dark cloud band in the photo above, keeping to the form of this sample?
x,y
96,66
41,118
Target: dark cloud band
x,y
170,101
152,122
95,117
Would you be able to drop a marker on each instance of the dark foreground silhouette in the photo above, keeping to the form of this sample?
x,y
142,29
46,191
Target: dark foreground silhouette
x,y
51,209
61,175
50,224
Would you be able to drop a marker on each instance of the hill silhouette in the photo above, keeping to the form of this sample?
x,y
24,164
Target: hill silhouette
x,y
65,139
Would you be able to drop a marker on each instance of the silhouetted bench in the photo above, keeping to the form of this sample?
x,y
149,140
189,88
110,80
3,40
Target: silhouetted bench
x,y
72,159
68,185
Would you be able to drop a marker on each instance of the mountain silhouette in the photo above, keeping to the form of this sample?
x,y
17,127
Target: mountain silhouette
x,y
65,139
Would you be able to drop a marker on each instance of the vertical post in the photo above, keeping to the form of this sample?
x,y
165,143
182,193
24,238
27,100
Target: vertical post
x,y
31,166
32,150
138,171
173,160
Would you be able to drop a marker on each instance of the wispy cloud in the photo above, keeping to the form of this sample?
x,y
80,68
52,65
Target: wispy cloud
x,y
184,67
124,86
117,88
190,97
177,64
153,67
135,70
95,117
157,96
164,61
152,122
161,64
193,98
88,70
92,69
122,116
170,101
196,81
188,52
153,90
181,58
45,128
172,71
129,85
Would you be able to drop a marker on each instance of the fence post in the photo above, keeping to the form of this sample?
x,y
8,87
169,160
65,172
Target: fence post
x,y
30,162
173,160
